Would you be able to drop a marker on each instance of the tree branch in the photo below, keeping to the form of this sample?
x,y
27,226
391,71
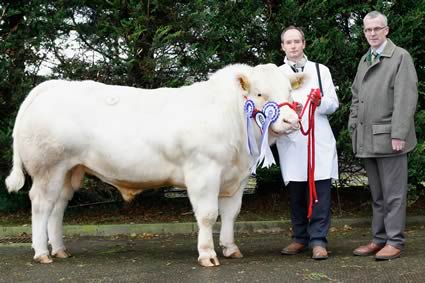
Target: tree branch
x,y
80,35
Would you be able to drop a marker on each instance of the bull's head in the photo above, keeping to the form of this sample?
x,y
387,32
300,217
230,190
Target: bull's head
x,y
266,84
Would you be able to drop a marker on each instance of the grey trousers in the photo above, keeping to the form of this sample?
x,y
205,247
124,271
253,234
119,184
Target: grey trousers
x,y
388,184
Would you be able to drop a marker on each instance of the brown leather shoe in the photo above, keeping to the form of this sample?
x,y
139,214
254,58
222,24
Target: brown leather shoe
x,y
388,252
369,249
319,253
293,249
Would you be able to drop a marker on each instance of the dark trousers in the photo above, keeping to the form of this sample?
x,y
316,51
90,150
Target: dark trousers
x,y
313,232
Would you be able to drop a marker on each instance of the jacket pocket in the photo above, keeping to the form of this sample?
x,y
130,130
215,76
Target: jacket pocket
x,y
381,139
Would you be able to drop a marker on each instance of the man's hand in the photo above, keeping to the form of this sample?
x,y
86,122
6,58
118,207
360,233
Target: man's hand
x,y
398,145
316,100
316,97
299,108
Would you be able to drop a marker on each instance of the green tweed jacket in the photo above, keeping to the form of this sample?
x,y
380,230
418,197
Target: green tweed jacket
x,y
384,98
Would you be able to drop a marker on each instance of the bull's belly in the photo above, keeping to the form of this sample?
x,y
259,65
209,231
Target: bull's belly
x,y
130,187
130,182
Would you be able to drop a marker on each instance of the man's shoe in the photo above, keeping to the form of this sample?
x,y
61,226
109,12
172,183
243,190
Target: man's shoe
x,y
369,249
388,252
319,253
293,249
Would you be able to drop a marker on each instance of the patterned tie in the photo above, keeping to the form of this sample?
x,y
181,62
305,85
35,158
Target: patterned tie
x,y
295,68
374,57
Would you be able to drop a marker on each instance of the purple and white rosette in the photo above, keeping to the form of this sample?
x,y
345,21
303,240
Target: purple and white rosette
x,y
271,111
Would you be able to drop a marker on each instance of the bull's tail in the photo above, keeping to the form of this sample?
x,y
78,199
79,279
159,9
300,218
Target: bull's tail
x,y
16,179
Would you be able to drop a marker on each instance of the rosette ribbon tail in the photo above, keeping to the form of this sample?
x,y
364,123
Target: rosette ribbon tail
x,y
266,155
271,111
251,141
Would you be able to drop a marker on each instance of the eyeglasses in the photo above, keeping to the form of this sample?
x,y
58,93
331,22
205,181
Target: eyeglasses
x,y
375,30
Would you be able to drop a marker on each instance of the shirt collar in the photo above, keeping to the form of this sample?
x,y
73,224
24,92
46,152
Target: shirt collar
x,y
299,64
380,48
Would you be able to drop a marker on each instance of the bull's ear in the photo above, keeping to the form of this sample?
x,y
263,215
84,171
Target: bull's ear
x,y
244,82
297,80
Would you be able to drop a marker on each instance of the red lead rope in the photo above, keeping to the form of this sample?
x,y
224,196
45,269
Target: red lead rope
x,y
313,100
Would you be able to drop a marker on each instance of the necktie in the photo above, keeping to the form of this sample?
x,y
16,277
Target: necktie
x,y
296,68
375,57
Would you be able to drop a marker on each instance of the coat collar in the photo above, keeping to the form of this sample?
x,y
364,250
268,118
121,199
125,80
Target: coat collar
x,y
389,49
387,52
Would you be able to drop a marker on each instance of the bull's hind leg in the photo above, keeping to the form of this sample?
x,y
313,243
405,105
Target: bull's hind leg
x,y
203,188
43,194
229,208
55,223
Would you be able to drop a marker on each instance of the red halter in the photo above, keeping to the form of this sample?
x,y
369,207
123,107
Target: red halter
x,y
292,105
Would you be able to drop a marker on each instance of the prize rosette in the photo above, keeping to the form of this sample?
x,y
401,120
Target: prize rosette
x,y
249,108
271,111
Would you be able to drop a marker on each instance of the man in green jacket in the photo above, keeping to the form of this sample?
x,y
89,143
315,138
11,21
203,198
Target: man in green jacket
x,y
382,128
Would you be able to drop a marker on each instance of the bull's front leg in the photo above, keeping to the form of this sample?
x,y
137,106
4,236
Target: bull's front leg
x,y
203,189
229,208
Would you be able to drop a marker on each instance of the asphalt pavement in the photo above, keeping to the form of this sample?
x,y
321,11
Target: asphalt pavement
x,y
143,256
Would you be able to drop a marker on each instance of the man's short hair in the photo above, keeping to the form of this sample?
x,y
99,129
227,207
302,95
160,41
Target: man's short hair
x,y
292,27
375,14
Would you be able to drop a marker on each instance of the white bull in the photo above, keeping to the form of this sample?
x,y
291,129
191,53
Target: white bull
x,y
192,137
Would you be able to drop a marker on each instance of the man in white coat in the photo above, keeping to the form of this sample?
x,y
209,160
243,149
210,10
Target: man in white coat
x,y
293,151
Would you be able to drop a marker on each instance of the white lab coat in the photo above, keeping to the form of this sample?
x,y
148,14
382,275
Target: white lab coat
x,y
292,148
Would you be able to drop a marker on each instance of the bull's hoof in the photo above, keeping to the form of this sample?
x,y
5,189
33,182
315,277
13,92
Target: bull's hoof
x,y
236,254
209,262
62,254
43,259
232,253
